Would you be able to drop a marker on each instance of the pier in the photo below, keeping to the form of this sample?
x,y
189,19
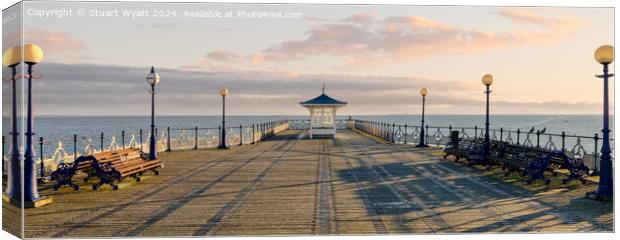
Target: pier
x,y
292,185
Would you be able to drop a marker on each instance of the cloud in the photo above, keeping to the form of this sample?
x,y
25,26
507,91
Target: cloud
x,y
85,89
223,56
521,16
52,40
406,38
361,18
361,40
59,46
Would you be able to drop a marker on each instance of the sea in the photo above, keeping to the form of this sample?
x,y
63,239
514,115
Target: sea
x,y
54,128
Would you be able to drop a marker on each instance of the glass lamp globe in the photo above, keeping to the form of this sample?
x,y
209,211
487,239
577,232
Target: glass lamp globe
x,y
604,54
152,78
224,92
487,79
33,54
424,91
11,57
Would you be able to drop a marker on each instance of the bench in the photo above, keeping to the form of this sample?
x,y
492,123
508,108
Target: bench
x,y
103,157
122,165
526,161
469,149
461,150
107,166
534,162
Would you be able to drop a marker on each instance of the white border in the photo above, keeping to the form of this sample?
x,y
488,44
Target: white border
x,y
575,3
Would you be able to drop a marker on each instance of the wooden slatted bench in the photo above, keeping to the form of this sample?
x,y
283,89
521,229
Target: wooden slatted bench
x,y
534,162
461,150
108,166
121,165
510,158
103,157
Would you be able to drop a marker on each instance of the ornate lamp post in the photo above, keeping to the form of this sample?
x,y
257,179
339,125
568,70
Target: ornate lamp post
x,y
487,80
223,93
153,79
31,55
11,58
605,55
423,92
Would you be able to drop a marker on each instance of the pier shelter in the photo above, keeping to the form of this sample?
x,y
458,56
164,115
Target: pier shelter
x,y
323,115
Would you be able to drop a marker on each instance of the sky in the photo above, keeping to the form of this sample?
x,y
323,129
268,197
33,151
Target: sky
x,y
375,57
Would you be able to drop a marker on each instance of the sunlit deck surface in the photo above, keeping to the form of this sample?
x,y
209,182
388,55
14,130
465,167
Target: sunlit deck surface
x,y
353,184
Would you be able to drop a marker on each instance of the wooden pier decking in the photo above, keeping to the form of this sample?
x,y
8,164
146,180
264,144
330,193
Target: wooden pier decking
x,y
290,185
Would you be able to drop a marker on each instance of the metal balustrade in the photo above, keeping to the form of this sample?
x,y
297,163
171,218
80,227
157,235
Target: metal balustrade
x,y
50,152
584,147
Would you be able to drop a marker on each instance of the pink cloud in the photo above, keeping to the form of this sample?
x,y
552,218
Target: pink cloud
x,y
397,39
223,56
361,40
521,16
53,41
361,18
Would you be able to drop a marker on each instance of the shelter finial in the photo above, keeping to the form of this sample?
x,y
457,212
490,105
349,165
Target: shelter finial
x,y
323,88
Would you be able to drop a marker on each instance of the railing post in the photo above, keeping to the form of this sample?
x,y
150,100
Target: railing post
x,y
386,131
393,132
501,134
405,133
518,136
253,133
240,135
596,153
141,150
196,138
563,141
3,147
219,133
383,131
123,138
475,132
538,138
41,158
426,135
168,140
101,142
74,146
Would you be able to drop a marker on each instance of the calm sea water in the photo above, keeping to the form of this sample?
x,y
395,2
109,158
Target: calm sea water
x,y
52,128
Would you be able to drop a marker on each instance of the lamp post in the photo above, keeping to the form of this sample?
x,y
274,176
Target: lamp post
x,y
487,80
31,54
223,93
423,92
605,55
153,79
11,58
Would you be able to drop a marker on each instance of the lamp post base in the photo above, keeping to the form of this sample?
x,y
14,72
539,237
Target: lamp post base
x,y
594,195
42,201
421,146
223,147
